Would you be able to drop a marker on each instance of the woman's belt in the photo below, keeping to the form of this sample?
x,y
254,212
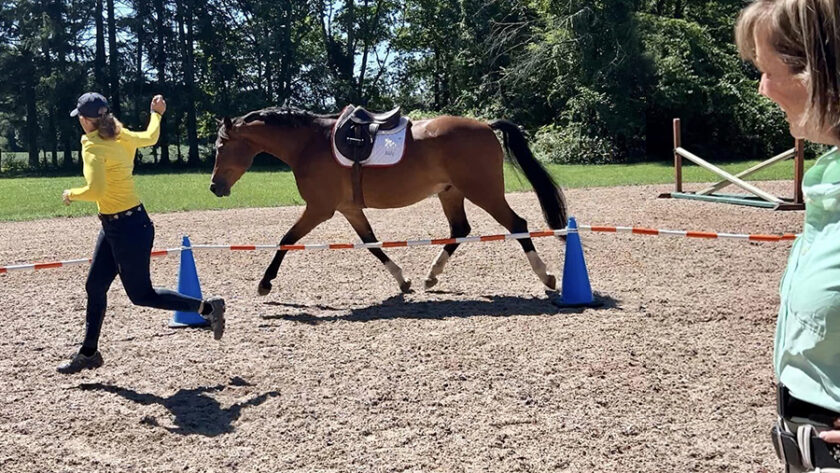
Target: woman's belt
x,y
123,214
797,410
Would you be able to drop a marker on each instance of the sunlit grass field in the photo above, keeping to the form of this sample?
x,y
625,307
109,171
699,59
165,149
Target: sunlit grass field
x,y
40,197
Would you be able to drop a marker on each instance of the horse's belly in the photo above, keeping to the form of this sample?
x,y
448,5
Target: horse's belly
x,y
400,196
416,177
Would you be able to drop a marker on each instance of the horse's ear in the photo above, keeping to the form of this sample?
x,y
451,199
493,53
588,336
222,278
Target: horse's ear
x,y
227,123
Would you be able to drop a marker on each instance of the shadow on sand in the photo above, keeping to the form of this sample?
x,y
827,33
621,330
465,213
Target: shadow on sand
x,y
397,307
195,412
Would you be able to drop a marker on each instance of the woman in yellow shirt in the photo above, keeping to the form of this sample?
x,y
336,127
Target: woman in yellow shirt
x,y
125,241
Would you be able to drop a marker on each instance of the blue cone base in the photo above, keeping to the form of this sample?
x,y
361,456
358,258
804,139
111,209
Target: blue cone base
x,y
558,301
187,319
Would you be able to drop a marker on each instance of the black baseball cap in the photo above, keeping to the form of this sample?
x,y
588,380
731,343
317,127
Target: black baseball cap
x,y
89,105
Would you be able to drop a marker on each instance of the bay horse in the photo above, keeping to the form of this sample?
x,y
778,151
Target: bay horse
x,y
454,157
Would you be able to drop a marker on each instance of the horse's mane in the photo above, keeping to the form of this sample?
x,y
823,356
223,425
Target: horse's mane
x,y
280,116
284,116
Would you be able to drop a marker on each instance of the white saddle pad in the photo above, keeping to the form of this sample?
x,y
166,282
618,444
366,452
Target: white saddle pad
x,y
388,147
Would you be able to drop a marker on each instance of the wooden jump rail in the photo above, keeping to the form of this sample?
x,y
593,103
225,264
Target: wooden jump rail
x,y
758,197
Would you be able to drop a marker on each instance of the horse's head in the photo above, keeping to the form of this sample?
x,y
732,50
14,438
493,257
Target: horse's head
x,y
234,155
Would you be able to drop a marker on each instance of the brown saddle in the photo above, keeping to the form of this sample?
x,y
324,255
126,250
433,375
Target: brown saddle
x,y
355,133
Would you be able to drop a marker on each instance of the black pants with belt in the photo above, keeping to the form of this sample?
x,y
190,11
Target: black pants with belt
x,y
124,248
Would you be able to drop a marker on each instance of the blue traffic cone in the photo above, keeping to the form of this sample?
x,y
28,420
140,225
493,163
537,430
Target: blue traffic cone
x,y
576,289
188,285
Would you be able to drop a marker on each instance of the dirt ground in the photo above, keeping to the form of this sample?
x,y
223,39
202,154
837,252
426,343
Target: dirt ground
x,y
336,371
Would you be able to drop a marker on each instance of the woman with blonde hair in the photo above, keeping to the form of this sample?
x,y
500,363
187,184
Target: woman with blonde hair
x,y
125,241
795,44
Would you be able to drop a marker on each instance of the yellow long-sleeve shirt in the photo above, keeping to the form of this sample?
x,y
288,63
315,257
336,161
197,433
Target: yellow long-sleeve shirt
x,y
108,168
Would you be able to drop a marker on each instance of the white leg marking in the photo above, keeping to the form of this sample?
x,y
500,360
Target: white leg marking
x,y
395,271
539,268
437,268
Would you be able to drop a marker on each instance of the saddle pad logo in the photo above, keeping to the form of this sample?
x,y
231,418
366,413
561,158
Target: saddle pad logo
x,y
390,147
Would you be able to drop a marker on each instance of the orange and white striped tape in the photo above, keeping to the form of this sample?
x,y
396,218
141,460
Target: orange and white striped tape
x,y
689,234
428,242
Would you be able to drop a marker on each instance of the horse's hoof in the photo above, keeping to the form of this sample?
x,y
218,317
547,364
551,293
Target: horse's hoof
x,y
264,288
430,282
551,282
405,287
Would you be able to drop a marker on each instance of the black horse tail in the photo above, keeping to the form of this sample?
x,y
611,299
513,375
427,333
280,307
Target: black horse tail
x,y
551,197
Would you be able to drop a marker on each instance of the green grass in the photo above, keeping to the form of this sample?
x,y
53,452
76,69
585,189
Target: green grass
x,y
31,198
10,159
608,175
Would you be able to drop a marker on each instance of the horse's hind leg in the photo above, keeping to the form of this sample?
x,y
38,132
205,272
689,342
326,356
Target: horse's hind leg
x,y
498,208
310,219
361,224
452,201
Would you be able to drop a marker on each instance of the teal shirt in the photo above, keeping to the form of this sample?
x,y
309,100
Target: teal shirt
x,y
807,349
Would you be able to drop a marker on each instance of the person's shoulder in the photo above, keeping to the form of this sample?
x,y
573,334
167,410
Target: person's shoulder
x,y
93,145
125,133
92,138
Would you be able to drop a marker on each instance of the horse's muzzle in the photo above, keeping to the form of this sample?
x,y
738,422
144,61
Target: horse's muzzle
x,y
220,190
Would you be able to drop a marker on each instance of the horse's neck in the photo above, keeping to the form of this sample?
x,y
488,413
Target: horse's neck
x,y
285,143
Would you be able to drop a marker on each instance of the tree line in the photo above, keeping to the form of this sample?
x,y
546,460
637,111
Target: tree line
x,y
594,81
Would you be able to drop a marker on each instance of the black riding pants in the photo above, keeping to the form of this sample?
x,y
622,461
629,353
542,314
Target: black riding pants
x,y
124,248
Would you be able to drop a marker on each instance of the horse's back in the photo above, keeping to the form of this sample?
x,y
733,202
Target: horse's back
x,y
449,125
458,138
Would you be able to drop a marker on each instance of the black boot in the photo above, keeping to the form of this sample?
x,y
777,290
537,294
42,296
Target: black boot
x,y
81,362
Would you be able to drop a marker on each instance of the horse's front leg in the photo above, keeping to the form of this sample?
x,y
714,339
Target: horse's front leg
x,y
360,223
310,219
